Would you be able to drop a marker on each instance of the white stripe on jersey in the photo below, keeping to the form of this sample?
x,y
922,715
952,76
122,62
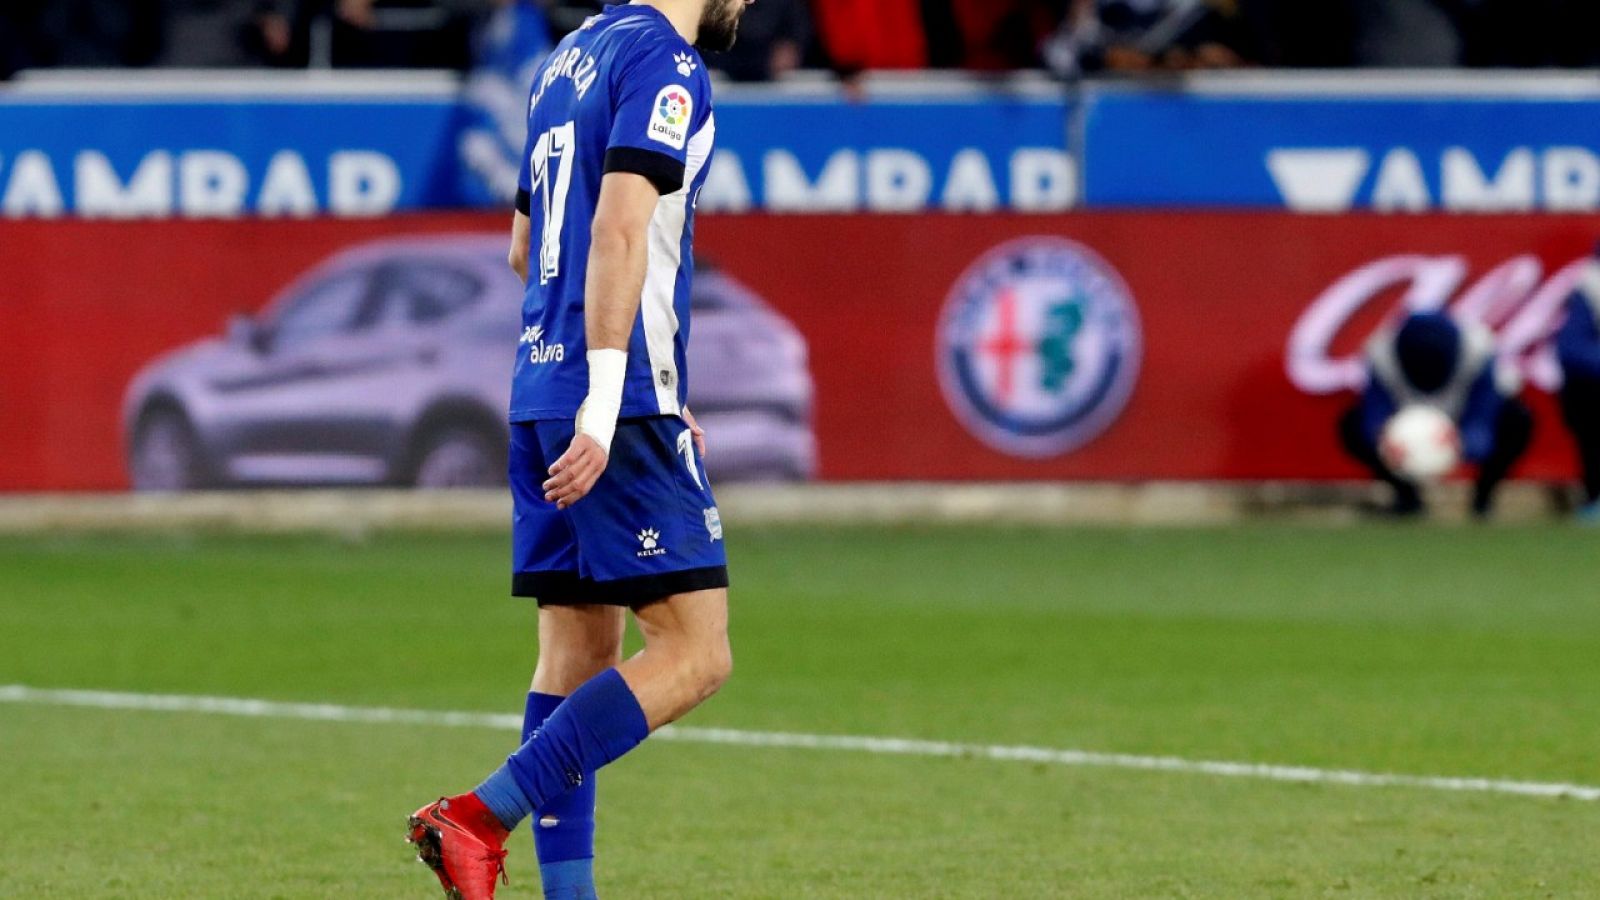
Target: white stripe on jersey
x,y
661,277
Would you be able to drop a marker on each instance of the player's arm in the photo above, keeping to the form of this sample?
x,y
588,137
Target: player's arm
x,y
1578,341
695,430
1480,415
1377,406
521,237
521,218
618,258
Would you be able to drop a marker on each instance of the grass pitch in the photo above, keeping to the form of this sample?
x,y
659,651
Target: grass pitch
x,y
1472,652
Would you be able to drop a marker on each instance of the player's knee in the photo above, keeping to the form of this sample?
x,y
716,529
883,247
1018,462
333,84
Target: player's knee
x,y
714,667
591,661
562,671
702,670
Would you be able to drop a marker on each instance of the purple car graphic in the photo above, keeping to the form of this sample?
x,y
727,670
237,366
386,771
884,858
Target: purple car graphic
x,y
390,364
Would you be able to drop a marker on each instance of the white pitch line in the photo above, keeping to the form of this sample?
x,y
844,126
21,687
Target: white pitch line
x,y
328,712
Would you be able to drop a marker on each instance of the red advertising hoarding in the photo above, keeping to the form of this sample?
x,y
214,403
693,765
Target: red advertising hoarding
x,y
1089,346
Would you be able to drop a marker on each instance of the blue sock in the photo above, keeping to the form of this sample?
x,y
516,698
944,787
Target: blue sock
x,y
570,880
564,830
600,722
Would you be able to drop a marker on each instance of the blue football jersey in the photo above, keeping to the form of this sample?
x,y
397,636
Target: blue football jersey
x,y
624,93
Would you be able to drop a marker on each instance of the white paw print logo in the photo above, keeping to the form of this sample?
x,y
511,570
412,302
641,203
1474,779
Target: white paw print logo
x,y
649,538
686,64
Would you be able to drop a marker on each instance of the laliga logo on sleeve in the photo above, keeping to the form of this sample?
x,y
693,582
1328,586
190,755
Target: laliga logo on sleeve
x,y
669,120
1038,347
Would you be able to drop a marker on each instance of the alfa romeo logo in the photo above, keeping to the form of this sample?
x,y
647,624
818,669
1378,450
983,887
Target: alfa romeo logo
x,y
1039,347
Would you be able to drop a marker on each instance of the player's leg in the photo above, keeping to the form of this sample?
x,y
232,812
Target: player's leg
x,y
649,536
1580,406
1513,432
685,659
576,643
1353,436
458,837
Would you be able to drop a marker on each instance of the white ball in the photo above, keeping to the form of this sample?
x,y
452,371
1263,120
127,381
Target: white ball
x,y
1421,443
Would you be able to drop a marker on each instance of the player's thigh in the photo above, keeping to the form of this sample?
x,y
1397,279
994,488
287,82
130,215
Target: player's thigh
x,y
694,623
576,643
686,655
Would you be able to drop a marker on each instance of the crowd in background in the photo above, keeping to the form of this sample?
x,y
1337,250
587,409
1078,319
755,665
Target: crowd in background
x,y
1069,37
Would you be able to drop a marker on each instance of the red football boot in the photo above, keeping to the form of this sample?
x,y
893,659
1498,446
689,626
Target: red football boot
x,y
463,843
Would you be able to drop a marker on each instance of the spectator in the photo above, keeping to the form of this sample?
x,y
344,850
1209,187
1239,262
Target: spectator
x,y
857,35
18,21
1578,346
1145,35
998,35
1407,34
203,33
1318,34
381,33
508,49
96,33
774,38
512,39
565,16
1431,359
1533,33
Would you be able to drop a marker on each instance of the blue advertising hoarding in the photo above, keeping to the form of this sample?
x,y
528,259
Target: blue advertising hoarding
x,y
1513,145
209,158
353,147
973,153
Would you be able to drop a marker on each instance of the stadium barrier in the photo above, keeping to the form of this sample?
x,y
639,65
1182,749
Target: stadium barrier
x,y
1087,347
149,145
1147,344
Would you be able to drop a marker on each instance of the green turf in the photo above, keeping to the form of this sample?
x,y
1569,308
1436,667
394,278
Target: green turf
x,y
1416,650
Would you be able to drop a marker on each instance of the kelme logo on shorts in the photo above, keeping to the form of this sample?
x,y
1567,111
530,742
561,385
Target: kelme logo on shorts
x,y
1038,347
650,544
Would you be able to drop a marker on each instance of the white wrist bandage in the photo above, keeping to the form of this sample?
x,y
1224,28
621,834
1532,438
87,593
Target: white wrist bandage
x,y
597,417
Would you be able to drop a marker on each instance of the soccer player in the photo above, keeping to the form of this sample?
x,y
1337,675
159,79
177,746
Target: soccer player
x,y
1432,359
611,508
1578,347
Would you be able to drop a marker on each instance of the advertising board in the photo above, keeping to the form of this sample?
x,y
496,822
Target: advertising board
x,y
1115,346
285,146
301,150
1383,144
1126,346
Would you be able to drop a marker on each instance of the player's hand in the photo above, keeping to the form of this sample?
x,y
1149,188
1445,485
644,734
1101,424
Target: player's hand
x,y
695,429
574,474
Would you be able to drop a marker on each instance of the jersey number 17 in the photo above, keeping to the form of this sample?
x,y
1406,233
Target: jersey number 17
x,y
552,181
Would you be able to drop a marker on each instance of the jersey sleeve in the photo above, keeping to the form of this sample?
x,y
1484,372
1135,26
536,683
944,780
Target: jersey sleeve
x,y
1480,417
662,98
1377,405
1578,341
524,202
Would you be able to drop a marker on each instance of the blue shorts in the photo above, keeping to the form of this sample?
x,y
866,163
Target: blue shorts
x,y
648,530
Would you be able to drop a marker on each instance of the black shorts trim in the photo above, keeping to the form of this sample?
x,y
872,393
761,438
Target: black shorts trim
x,y
568,589
665,172
524,202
